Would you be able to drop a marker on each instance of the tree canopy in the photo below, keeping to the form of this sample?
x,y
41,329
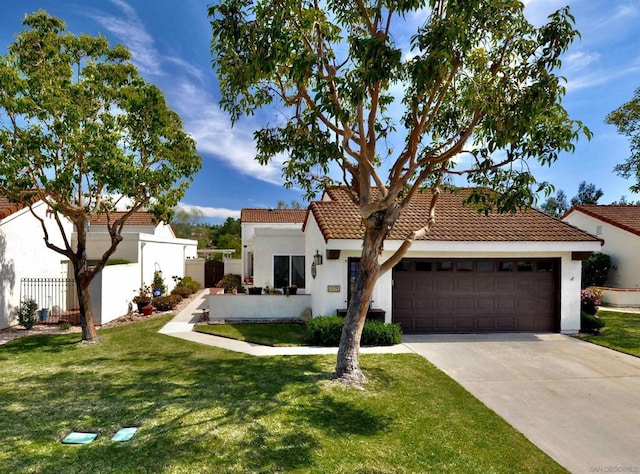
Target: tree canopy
x,y
82,131
626,118
587,194
474,83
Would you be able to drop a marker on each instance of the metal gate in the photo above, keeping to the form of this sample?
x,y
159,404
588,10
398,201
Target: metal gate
x,y
56,298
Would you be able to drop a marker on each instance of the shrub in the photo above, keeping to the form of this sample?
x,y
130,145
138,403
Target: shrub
x,y
590,299
590,323
26,313
377,333
64,326
166,303
158,282
190,283
595,269
182,291
326,331
230,282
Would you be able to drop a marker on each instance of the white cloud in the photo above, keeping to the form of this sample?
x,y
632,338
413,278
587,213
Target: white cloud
x,y
215,212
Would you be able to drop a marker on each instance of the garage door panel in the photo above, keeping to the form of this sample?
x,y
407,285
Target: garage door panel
x,y
476,300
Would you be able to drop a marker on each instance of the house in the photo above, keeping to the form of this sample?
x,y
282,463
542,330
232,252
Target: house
x,y
472,273
273,248
148,246
23,254
619,227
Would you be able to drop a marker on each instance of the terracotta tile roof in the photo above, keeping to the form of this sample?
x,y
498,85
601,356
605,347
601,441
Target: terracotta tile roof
x,y
625,217
137,218
338,218
7,207
273,216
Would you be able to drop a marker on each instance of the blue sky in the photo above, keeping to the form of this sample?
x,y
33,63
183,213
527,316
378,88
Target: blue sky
x,y
170,42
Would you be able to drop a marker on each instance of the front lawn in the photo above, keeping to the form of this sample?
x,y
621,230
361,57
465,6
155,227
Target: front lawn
x,y
621,332
276,334
203,409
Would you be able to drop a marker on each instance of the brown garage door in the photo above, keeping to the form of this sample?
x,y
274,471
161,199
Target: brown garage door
x,y
450,296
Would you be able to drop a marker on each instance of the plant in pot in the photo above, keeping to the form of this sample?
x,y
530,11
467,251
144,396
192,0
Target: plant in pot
x,y
159,288
143,298
255,290
290,290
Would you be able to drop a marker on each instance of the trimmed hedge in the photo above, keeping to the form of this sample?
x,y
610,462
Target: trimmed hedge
x,y
182,291
188,282
326,331
590,323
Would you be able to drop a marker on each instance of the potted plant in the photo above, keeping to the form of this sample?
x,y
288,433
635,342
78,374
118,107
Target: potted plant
x,y
143,298
43,313
159,288
290,290
255,290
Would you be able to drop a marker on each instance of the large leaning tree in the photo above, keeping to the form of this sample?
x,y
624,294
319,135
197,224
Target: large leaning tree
x,y
474,83
626,118
83,132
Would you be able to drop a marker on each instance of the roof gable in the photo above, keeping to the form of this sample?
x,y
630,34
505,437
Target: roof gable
x,y
273,216
626,217
339,218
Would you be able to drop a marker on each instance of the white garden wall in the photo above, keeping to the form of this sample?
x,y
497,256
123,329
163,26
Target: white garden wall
x,y
23,254
229,306
112,291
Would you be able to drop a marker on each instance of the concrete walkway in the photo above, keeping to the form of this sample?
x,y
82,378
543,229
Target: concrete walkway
x,y
182,327
578,402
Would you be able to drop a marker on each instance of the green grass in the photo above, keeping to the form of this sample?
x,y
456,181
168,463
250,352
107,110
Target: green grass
x,y
621,332
203,409
281,334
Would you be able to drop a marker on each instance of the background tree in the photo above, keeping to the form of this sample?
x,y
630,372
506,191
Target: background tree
x,y
83,132
556,205
587,194
185,222
291,205
626,118
478,91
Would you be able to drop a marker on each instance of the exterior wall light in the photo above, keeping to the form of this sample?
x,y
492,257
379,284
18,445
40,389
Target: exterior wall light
x,y
317,258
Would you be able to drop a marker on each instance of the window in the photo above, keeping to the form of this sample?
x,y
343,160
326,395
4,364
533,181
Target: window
x,y
484,266
464,266
525,266
288,270
402,266
423,266
444,266
505,266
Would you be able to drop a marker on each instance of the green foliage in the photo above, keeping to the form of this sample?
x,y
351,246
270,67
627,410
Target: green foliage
x,y
621,332
595,269
556,205
326,331
158,282
26,313
190,283
590,323
166,303
182,291
587,194
590,300
230,282
82,131
626,118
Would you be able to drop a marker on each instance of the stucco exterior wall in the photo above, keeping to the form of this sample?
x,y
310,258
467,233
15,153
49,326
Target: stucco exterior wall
x,y
620,245
248,232
274,241
333,274
224,306
23,254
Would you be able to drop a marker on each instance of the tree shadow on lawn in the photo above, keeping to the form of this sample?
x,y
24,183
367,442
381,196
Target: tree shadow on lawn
x,y
195,408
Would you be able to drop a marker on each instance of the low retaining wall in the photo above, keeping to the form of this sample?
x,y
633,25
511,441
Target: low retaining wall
x,y
225,306
621,297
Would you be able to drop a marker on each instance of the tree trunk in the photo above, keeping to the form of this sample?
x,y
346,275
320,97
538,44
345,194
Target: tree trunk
x,y
348,362
83,280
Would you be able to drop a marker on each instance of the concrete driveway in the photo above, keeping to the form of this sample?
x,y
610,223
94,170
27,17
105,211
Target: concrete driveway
x,y
580,403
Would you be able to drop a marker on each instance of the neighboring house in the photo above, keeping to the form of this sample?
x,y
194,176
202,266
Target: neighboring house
x,y
472,273
273,248
148,246
23,253
619,227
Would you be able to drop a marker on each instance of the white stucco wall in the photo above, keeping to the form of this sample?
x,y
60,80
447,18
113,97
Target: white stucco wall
x,y
23,254
194,268
620,245
334,272
274,241
111,292
248,232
